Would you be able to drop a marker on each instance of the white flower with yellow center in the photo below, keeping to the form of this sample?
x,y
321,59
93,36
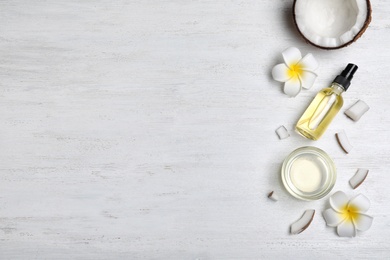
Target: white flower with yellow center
x,y
348,215
297,72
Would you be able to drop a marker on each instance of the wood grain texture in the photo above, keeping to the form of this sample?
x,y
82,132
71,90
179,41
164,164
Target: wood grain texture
x,y
145,130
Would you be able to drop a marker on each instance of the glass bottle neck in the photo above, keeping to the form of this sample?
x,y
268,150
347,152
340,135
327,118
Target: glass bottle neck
x,y
337,88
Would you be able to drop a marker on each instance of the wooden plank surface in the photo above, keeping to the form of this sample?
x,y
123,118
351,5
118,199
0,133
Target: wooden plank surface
x,y
145,130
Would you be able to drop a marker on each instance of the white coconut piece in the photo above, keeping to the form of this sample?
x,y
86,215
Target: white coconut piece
x,y
273,196
358,178
343,141
356,111
331,24
282,132
304,222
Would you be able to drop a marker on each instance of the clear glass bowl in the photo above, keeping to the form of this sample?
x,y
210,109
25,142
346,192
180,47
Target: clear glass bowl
x,y
308,173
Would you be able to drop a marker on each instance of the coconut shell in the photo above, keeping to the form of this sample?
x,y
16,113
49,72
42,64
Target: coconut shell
x,y
357,36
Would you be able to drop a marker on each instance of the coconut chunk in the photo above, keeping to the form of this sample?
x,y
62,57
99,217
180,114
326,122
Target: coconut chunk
x,y
358,178
273,196
331,24
343,141
304,222
356,111
282,132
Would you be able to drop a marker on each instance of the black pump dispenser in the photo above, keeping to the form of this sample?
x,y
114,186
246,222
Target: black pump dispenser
x,y
344,79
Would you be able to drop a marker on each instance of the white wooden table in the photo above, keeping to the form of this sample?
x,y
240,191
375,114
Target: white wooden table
x,y
145,130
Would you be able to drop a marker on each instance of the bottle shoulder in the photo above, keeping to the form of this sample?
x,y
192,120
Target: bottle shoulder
x,y
331,90
330,95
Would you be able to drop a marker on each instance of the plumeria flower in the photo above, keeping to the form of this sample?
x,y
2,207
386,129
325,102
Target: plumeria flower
x,y
297,72
348,215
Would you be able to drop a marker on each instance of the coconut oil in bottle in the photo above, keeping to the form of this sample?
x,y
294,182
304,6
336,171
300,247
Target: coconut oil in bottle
x,y
325,106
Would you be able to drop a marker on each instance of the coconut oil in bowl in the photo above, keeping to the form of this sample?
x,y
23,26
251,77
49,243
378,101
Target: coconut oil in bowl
x,y
308,173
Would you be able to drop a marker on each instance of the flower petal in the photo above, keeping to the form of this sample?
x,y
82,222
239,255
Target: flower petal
x,y
346,229
307,78
292,87
309,62
332,217
363,222
359,204
338,201
280,73
291,56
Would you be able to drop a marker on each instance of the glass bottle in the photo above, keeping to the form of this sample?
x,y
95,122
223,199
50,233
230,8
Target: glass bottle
x,y
325,106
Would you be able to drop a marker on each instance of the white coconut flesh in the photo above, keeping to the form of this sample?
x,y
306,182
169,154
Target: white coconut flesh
x,y
330,23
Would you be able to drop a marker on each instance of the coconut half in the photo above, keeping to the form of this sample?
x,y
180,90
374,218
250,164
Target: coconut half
x,y
331,24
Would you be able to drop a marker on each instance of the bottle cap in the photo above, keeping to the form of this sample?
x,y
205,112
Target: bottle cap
x,y
344,79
